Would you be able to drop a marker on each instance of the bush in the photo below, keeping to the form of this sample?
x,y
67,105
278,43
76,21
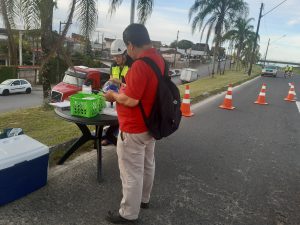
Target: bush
x,y
8,72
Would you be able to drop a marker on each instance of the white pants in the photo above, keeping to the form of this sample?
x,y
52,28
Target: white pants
x,y
137,167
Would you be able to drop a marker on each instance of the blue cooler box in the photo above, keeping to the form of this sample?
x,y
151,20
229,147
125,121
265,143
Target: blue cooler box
x,y
23,167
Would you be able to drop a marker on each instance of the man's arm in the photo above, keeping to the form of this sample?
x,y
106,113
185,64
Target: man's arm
x,y
121,99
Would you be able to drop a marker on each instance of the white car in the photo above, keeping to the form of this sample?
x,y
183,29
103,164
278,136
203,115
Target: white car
x,y
15,86
269,70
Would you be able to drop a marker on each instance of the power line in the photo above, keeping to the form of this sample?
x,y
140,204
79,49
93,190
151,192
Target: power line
x,y
274,8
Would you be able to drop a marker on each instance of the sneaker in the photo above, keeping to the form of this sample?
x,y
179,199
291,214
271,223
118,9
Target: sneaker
x,y
115,218
144,205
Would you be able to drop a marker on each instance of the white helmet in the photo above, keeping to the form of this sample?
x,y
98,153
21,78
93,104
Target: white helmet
x,y
118,47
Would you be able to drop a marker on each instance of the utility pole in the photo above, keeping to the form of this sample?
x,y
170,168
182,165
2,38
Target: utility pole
x,y
98,40
255,40
256,36
132,11
58,56
266,52
20,48
102,41
176,49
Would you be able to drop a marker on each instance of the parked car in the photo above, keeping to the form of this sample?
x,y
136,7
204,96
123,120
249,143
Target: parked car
x,y
269,70
15,86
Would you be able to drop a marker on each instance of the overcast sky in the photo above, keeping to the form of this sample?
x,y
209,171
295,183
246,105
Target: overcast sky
x,y
169,16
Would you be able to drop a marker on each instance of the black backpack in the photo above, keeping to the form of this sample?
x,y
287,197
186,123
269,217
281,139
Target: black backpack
x,y
165,115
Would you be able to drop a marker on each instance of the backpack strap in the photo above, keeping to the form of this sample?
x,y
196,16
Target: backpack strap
x,y
159,76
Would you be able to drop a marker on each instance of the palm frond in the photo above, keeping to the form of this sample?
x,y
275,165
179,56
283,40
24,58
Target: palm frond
x,y
144,8
11,11
31,12
195,7
114,4
86,14
210,24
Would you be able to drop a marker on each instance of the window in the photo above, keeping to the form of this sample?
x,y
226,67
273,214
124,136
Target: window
x,y
7,82
15,83
73,80
24,82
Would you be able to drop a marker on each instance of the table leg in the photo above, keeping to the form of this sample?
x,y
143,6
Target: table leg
x,y
98,138
86,136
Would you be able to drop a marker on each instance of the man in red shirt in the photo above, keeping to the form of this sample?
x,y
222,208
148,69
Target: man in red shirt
x,y
135,146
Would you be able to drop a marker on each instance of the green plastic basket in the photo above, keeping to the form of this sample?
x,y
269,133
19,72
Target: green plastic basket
x,y
86,105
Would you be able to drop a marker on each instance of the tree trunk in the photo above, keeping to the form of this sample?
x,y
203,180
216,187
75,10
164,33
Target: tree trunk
x,y
214,57
238,58
46,9
11,41
49,45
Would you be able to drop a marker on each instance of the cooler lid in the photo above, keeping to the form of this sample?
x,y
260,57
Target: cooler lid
x,y
18,149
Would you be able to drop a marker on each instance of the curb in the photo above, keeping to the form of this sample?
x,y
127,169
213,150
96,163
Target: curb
x,y
66,144
210,97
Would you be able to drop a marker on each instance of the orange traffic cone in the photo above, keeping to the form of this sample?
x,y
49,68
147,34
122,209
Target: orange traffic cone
x,y
227,103
292,94
186,103
261,99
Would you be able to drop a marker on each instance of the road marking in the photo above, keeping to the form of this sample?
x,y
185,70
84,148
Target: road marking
x,y
298,105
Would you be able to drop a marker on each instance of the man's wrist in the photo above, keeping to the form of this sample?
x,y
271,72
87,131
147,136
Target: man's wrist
x,y
115,96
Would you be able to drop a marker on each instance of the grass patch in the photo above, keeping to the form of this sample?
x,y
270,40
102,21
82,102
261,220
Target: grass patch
x,y
40,124
208,86
43,125
297,71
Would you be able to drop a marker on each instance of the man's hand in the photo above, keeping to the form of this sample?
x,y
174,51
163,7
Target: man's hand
x,y
123,99
109,95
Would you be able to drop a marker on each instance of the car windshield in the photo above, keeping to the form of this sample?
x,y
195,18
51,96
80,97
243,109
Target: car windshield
x,y
6,82
74,78
271,67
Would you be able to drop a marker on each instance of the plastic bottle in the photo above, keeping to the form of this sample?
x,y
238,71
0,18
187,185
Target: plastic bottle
x,y
87,89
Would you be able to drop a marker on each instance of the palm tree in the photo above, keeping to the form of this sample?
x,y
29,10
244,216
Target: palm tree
x,y
241,31
38,14
246,52
7,12
215,15
144,8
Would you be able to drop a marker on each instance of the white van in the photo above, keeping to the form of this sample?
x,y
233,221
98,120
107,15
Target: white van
x,y
188,75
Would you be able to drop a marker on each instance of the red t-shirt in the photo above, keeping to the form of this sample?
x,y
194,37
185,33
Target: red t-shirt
x,y
141,84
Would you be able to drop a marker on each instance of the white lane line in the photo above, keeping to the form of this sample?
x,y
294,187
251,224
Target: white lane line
x,y
298,105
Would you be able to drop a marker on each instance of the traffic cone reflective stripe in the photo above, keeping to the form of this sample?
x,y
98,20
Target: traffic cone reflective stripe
x,y
186,103
227,103
261,99
292,94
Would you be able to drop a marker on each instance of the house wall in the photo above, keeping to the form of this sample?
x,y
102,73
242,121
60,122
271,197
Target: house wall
x,y
29,74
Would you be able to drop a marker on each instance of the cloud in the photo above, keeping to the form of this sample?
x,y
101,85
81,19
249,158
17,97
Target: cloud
x,y
173,10
294,22
282,48
166,21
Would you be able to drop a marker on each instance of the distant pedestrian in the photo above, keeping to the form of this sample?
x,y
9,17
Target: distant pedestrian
x,y
135,147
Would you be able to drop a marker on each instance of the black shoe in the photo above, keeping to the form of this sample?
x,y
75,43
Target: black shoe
x,y
117,219
145,205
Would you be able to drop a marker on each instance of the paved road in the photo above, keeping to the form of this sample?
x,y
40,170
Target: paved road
x,y
20,101
239,167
